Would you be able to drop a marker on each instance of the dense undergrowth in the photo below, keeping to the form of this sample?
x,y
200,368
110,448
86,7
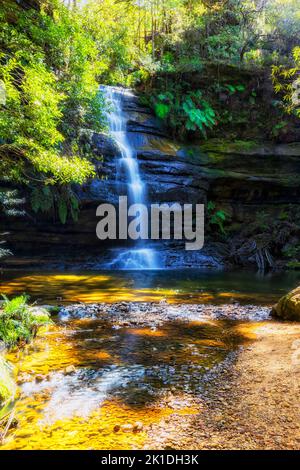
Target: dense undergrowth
x,y
50,93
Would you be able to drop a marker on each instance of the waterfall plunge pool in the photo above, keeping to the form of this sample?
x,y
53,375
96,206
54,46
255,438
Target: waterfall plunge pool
x,y
174,286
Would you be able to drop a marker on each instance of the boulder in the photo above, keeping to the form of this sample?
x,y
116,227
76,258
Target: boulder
x,y
288,307
103,144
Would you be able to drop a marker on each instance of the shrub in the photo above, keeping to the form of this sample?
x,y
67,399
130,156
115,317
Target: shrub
x,y
19,322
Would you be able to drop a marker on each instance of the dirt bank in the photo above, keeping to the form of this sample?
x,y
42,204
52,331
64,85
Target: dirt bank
x,y
250,402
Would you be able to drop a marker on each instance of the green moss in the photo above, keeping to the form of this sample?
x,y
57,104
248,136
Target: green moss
x,y
293,265
288,307
225,146
52,309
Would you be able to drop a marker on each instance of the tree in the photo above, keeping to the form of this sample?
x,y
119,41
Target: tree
x,y
48,67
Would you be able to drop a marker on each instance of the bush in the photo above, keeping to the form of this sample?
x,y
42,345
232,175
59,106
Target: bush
x,y
19,322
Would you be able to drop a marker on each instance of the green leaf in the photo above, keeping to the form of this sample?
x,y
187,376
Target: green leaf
x,y
62,211
161,110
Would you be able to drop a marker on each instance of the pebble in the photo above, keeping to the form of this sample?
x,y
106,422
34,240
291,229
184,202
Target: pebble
x,y
39,378
138,426
70,370
154,314
127,427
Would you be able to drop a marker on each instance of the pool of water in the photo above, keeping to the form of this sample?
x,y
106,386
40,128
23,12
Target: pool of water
x,y
189,286
121,376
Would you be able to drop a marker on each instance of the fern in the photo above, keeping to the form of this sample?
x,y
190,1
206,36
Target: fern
x,y
162,110
74,207
216,216
56,200
62,211
187,111
10,206
19,322
234,88
41,199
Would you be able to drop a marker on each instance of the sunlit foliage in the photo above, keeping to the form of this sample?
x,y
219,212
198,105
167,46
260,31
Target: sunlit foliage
x,y
48,68
287,84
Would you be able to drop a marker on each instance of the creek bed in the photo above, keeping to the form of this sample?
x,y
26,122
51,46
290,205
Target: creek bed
x,y
107,373
125,376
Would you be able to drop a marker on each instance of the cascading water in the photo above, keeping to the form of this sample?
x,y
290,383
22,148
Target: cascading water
x,y
139,257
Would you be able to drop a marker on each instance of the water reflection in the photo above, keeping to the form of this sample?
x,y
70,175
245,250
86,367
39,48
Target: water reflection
x,y
121,373
119,376
189,286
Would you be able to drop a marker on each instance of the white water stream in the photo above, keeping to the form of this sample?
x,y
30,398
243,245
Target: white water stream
x,y
140,256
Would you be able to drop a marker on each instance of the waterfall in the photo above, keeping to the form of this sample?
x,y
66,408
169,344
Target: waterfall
x,y
138,257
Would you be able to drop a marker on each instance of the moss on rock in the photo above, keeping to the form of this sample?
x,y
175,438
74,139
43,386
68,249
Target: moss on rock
x,y
288,307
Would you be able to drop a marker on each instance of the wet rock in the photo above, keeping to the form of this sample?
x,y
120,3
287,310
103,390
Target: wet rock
x,y
14,423
39,378
288,307
103,144
70,370
23,379
52,309
172,172
124,307
154,314
138,426
127,427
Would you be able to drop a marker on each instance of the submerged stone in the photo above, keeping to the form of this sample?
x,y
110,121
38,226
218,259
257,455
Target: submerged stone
x,y
127,427
138,426
39,378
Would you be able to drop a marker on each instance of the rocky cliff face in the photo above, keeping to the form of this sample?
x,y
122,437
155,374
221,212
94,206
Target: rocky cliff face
x,y
245,180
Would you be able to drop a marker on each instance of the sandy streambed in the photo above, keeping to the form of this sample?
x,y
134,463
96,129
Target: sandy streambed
x,y
251,402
